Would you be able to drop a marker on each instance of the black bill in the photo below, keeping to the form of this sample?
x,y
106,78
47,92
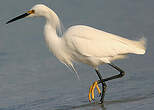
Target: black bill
x,y
19,17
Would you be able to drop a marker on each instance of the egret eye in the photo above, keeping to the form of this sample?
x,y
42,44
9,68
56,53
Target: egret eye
x,y
31,12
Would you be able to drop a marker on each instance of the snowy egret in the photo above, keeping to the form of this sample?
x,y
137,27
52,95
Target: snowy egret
x,y
85,44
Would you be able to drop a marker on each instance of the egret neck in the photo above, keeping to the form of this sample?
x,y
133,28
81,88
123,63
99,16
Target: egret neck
x,y
54,42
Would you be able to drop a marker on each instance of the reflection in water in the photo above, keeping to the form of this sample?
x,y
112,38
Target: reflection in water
x,y
96,105
90,106
43,103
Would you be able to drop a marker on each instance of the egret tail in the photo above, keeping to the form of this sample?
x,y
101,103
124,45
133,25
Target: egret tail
x,y
140,46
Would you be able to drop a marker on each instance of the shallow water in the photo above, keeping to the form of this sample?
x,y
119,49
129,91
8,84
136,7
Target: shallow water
x,y
31,78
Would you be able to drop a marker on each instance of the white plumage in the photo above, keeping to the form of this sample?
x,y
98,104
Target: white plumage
x,y
83,43
98,47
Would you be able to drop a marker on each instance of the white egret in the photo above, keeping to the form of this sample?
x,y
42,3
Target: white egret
x,y
85,44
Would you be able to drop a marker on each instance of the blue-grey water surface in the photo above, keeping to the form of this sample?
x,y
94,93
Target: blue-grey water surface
x,y
31,78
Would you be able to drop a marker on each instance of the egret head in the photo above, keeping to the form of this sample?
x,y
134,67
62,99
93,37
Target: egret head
x,y
37,10
42,10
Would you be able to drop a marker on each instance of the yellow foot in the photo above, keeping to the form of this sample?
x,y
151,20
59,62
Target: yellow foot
x,y
91,91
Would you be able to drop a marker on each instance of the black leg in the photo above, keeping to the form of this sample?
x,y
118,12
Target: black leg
x,y
103,86
122,73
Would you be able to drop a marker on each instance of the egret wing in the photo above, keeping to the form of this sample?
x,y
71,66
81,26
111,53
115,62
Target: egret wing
x,y
92,42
